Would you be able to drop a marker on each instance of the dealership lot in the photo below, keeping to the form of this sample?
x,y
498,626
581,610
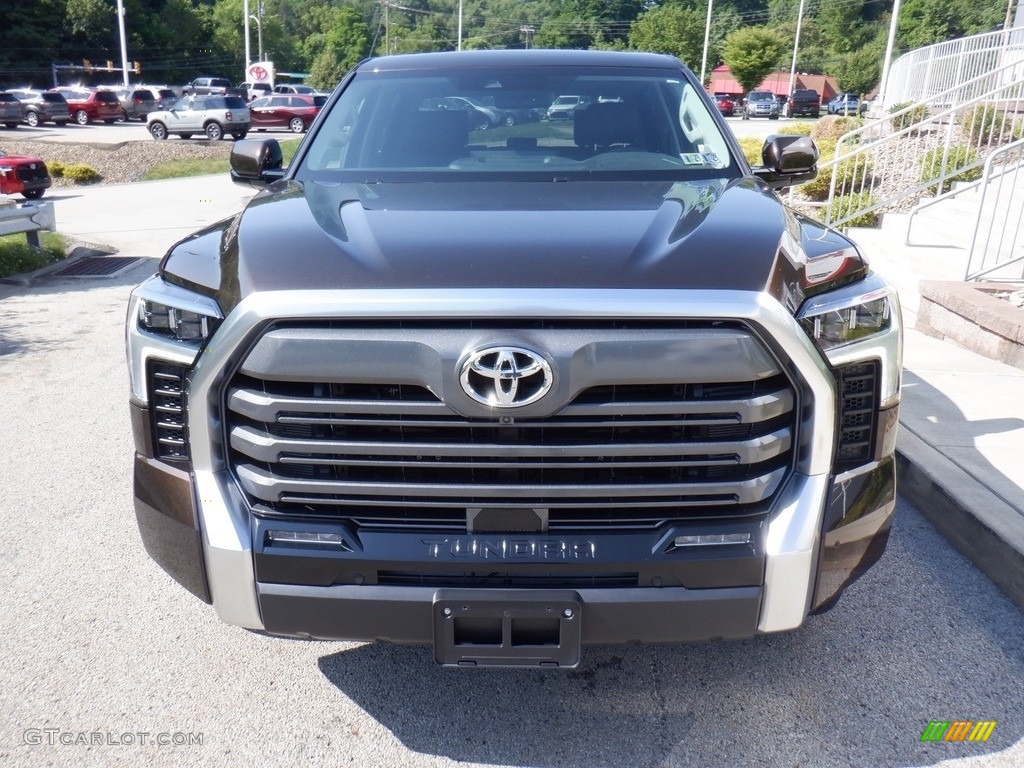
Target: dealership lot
x,y
100,647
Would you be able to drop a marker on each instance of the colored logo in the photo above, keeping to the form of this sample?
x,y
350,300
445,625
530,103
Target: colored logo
x,y
958,730
259,74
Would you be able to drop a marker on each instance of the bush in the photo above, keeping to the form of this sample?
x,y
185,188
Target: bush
x,y
841,205
931,165
832,127
985,125
81,173
751,146
797,129
915,115
17,256
56,168
851,175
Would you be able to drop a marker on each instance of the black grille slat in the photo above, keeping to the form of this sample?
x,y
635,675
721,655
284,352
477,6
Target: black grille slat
x,y
166,384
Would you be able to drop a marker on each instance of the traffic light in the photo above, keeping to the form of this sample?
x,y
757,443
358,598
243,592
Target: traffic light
x,y
136,68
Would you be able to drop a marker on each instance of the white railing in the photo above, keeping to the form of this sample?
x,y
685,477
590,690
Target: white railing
x,y
890,163
995,240
922,74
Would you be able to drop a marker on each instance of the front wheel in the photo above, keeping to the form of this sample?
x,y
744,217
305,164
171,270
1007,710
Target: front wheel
x,y
185,135
296,125
510,120
239,135
110,122
214,131
82,117
32,119
124,115
158,131
11,125
32,194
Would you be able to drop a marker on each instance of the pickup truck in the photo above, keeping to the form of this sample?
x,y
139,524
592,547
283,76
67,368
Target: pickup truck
x,y
512,393
804,101
218,86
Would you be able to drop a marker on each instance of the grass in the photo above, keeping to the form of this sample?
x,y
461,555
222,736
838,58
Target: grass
x,y
177,169
17,256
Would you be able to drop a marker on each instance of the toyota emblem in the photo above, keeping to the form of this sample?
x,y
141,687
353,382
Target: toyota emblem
x,y
506,377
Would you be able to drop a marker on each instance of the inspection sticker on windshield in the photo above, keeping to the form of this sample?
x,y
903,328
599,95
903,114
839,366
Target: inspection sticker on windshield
x,y
711,158
693,158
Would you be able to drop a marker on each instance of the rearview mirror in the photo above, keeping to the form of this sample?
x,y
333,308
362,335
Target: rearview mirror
x,y
256,162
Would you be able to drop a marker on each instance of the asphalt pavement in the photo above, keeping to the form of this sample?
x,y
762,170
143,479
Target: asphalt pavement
x,y
104,657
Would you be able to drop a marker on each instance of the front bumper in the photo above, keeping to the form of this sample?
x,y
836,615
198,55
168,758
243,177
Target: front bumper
x,y
783,578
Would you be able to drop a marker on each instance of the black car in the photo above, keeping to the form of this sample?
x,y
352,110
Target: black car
x,y
512,390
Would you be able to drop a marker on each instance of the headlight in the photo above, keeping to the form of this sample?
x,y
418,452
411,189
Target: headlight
x,y
180,324
167,324
849,315
859,323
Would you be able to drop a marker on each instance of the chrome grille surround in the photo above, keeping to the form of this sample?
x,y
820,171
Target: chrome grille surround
x,y
795,519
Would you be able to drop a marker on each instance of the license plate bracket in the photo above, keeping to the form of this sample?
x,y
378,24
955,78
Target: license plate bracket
x,y
507,628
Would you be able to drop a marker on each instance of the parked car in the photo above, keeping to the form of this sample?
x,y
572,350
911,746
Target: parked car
x,y
212,116
416,391
805,102
165,96
24,174
255,90
726,106
846,104
296,113
89,105
42,106
204,86
11,111
761,104
136,102
306,90
564,107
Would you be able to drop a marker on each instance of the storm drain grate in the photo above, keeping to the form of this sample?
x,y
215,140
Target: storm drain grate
x,y
97,266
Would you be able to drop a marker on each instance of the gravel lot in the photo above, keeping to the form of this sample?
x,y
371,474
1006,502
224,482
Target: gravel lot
x,y
121,162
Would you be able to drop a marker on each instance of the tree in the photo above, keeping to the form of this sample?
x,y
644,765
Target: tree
x,y
751,53
670,29
858,72
342,42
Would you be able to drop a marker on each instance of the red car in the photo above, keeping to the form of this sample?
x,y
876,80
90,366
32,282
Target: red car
x,y
86,106
295,113
725,104
24,174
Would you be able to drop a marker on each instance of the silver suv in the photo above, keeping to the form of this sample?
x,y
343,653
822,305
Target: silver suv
x,y
212,116
136,102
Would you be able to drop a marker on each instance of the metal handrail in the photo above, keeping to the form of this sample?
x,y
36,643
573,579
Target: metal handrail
x,y
990,265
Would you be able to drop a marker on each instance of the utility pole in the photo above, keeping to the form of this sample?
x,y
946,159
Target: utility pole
x,y
527,30
796,44
248,49
124,45
459,47
893,24
707,36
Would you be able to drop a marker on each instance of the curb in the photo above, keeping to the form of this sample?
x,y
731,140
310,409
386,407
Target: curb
x,y
76,252
975,520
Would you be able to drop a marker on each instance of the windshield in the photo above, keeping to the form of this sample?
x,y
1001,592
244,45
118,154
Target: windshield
x,y
478,123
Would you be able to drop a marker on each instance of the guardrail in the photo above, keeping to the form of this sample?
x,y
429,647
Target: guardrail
x,y
29,218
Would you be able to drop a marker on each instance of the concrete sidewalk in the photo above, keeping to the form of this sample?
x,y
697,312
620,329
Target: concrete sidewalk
x,y
961,441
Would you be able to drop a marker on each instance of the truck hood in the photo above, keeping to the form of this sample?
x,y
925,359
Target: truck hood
x,y
712,234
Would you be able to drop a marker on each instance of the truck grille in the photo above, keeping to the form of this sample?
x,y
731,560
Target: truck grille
x,y
32,172
394,455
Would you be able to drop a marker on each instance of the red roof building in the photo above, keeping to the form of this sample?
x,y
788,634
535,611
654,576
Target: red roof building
x,y
722,81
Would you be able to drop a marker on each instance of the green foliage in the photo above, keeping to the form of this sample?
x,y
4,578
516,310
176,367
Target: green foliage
x,y
911,117
17,256
56,168
857,71
846,204
959,157
802,128
852,175
341,44
670,29
923,22
985,125
833,126
752,53
80,173
751,146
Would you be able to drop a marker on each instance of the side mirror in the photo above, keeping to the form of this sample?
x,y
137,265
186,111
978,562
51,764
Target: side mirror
x,y
787,161
256,162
